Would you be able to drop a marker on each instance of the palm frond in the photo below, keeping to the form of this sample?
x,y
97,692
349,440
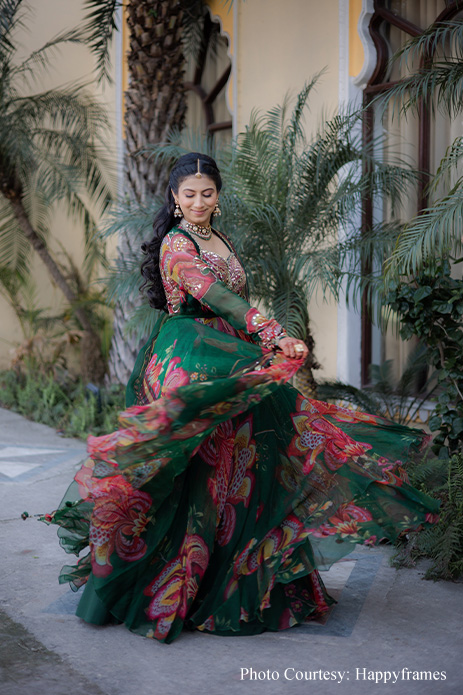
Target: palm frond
x,y
11,18
193,35
41,57
440,79
14,248
142,322
447,36
100,27
436,232
336,390
449,164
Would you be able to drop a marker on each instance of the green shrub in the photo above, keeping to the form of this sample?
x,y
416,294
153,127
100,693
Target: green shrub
x,y
431,308
442,543
67,405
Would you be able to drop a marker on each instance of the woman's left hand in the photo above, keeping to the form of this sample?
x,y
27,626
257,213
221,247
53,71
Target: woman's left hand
x,y
292,347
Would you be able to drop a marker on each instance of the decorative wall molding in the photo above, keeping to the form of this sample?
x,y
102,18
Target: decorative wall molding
x,y
361,80
231,52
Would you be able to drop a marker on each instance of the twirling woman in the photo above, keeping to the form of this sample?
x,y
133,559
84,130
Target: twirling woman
x,y
224,491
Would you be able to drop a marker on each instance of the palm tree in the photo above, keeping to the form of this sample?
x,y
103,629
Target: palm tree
x,y
155,103
284,201
50,155
291,198
438,229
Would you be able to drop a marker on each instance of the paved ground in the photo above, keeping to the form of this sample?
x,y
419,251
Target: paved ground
x,y
388,625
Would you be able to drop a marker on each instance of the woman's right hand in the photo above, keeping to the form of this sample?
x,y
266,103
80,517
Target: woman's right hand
x,y
292,347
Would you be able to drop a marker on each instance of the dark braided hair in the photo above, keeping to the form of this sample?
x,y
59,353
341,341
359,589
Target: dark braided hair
x,y
165,221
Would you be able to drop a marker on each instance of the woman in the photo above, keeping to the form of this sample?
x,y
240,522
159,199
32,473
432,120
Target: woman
x,y
225,490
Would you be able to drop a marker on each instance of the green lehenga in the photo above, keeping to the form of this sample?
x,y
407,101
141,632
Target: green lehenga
x,y
224,490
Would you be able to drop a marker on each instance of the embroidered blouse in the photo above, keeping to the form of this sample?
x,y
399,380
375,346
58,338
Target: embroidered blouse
x,y
198,281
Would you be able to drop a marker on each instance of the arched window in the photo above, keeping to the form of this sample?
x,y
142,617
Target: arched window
x,y
420,138
207,81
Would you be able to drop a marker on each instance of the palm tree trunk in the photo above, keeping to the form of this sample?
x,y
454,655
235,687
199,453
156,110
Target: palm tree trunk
x,y
92,362
155,102
305,380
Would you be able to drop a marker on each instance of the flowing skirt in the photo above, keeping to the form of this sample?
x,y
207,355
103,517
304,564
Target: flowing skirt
x,y
224,491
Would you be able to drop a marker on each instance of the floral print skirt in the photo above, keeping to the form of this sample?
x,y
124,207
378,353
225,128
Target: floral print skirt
x,y
224,492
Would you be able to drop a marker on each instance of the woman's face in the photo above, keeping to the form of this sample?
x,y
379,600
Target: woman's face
x,y
197,199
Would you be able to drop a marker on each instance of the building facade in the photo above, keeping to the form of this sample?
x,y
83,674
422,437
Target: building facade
x,y
267,49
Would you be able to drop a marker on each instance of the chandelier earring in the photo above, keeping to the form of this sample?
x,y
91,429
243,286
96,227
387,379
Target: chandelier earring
x,y
217,211
177,212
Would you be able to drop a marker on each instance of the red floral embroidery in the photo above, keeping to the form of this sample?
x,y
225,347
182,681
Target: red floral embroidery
x,y
174,588
175,376
345,522
234,480
118,520
315,435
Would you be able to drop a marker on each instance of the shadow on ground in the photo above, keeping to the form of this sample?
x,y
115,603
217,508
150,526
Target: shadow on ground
x,y
26,665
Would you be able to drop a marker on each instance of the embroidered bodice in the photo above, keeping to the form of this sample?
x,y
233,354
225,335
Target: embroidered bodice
x,y
198,280
229,270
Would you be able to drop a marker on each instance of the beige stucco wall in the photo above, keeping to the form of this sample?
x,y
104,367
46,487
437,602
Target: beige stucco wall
x,y
72,63
280,44
276,44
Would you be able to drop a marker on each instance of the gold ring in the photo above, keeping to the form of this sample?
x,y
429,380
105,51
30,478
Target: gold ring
x,y
298,348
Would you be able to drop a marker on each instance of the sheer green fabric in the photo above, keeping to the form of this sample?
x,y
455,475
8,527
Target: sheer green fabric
x,y
224,491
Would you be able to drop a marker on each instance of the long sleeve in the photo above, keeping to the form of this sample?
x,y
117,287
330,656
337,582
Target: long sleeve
x,y
185,272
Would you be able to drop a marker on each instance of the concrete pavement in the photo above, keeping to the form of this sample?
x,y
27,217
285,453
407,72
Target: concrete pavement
x,y
391,632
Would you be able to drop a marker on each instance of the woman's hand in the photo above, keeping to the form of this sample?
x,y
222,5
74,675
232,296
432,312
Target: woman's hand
x,y
292,347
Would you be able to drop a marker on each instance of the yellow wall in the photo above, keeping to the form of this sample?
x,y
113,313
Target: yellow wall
x,y
280,45
356,53
276,46
73,63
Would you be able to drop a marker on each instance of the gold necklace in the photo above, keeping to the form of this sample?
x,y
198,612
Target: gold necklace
x,y
203,232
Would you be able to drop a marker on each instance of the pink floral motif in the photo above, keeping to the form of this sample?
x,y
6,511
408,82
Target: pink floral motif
x,y
279,540
208,624
119,518
371,540
345,522
183,266
432,518
175,376
233,454
315,435
176,585
219,446
84,478
151,387
340,413
385,463
390,478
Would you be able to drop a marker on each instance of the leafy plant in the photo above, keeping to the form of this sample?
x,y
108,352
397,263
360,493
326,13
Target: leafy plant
x,y
431,308
442,542
398,400
65,404
160,34
51,154
438,83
